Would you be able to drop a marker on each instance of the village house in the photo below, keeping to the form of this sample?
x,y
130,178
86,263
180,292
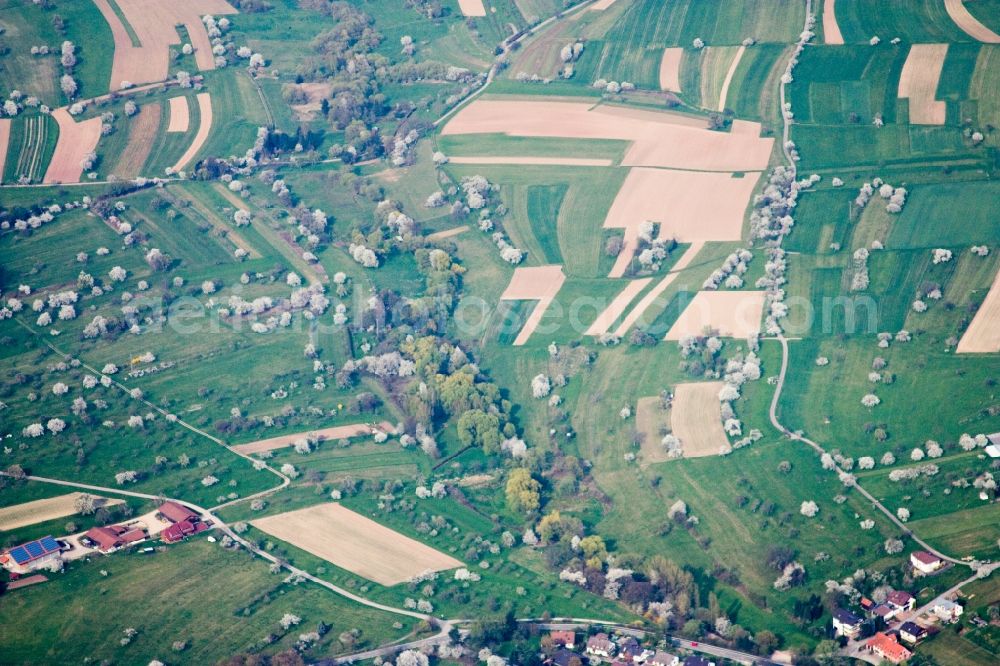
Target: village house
x,y
924,562
888,648
175,513
883,612
846,623
663,659
112,537
900,601
601,646
696,660
948,611
566,639
912,632
629,650
564,657
31,556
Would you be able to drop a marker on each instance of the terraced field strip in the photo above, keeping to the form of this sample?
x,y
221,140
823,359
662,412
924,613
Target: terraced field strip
x,y
544,161
601,5
696,419
204,127
733,314
180,117
76,140
4,143
472,7
141,135
324,434
614,311
969,24
534,283
918,82
729,77
39,511
30,155
670,69
358,544
632,317
831,29
983,334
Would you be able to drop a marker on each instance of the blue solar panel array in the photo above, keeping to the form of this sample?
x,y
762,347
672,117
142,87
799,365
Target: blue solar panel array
x,y
34,549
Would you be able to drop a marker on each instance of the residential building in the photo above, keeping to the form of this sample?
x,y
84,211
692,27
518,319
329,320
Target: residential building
x,y
883,612
663,659
629,649
846,623
900,601
948,611
601,646
31,556
925,562
179,531
887,647
566,639
912,632
564,657
112,537
697,660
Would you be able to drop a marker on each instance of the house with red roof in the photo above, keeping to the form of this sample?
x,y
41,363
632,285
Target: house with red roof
x,y
900,600
112,537
887,647
180,531
565,639
175,513
924,562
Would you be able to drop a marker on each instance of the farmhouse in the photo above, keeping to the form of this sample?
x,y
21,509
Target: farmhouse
x,y
900,601
112,537
565,639
911,632
888,648
924,562
846,623
601,646
948,611
183,522
31,556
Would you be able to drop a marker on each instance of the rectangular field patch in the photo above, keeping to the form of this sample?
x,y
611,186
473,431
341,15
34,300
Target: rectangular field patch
x,y
39,511
730,314
358,544
696,419
324,434
983,334
918,82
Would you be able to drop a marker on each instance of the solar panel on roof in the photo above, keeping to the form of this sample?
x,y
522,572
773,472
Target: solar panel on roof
x,y
20,555
49,544
34,548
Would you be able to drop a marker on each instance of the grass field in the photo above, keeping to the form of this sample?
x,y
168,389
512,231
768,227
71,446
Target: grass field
x,y
163,597
32,142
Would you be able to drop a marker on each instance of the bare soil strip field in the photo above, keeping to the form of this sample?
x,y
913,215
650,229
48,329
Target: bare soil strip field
x,y
969,23
632,317
472,7
729,77
353,542
153,23
75,141
831,29
39,511
659,139
688,205
535,283
140,141
650,420
447,233
617,307
918,82
670,69
325,434
545,161
204,127
601,5
180,116
696,419
4,143
983,334
732,314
